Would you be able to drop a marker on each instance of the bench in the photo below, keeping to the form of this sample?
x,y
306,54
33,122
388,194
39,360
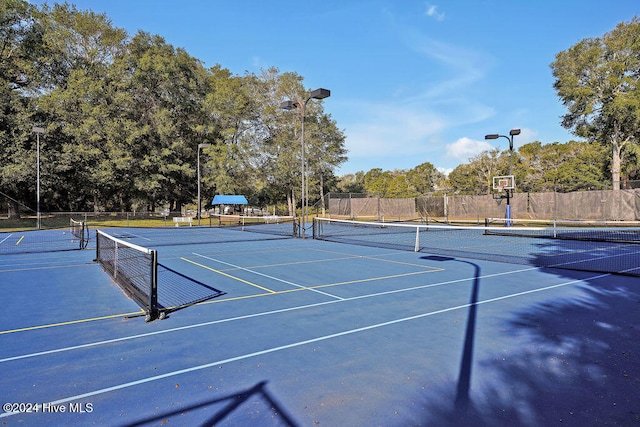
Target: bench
x,y
183,219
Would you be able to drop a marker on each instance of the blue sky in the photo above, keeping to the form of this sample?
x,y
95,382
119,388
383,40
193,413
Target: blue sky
x,y
411,81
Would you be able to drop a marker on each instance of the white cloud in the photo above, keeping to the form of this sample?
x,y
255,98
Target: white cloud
x,y
445,171
391,130
465,148
526,136
432,11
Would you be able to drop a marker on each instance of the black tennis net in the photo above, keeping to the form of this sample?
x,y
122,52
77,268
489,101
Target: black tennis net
x,y
80,231
603,250
49,240
134,268
590,231
268,224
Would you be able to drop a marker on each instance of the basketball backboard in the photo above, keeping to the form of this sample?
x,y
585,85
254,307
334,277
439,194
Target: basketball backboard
x,y
506,182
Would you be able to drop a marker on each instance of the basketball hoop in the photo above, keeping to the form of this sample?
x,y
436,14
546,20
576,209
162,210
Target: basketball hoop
x,y
501,183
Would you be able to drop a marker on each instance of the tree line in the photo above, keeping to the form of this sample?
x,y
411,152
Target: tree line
x,y
127,116
563,167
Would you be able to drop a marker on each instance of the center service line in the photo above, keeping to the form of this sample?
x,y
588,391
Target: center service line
x,y
270,277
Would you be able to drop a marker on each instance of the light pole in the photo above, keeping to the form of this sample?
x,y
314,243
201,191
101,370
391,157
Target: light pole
x,y
290,105
200,146
512,133
38,130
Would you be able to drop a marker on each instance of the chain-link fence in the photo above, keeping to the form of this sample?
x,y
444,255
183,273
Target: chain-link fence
x,y
600,205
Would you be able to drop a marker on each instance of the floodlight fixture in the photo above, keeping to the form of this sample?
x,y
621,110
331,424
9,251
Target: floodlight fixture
x,y
320,93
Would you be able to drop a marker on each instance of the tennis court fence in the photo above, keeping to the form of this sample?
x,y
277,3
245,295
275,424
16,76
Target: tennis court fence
x,y
610,205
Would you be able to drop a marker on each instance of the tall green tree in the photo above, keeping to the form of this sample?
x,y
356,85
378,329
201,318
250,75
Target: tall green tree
x,y
20,45
476,177
352,183
323,141
166,94
326,151
424,178
83,159
598,80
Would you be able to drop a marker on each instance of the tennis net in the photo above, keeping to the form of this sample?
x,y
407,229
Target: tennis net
x,y
609,251
134,268
268,224
49,240
80,231
592,231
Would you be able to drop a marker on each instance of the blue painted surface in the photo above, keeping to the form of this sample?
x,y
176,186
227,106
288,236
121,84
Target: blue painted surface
x,y
317,333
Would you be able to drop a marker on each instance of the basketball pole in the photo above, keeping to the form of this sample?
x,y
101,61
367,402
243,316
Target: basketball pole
x,y
512,133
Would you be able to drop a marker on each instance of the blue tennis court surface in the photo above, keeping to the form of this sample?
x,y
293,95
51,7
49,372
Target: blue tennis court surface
x,y
306,332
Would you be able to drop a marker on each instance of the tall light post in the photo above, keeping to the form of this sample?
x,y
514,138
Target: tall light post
x,y
512,133
38,130
200,146
290,105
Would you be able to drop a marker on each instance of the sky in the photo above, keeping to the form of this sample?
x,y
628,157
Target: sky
x,y
411,81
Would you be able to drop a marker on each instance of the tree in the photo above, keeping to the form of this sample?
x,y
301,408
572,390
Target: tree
x,y
462,179
598,80
325,151
477,176
352,183
166,91
20,42
323,141
424,178
84,158
124,117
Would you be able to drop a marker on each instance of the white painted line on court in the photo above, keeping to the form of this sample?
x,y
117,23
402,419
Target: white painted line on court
x,y
269,277
302,343
5,239
264,313
284,310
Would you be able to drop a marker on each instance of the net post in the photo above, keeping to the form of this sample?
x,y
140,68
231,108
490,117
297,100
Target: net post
x,y
97,246
153,294
84,240
417,246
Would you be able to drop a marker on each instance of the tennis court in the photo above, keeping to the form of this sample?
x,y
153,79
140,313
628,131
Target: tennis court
x,y
272,330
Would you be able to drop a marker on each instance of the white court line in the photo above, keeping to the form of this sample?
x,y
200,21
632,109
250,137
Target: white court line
x,y
5,239
264,313
270,277
301,343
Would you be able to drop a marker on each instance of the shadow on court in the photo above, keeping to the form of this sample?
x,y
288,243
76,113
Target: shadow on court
x,y
576,363
224,408
462,403
177,291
